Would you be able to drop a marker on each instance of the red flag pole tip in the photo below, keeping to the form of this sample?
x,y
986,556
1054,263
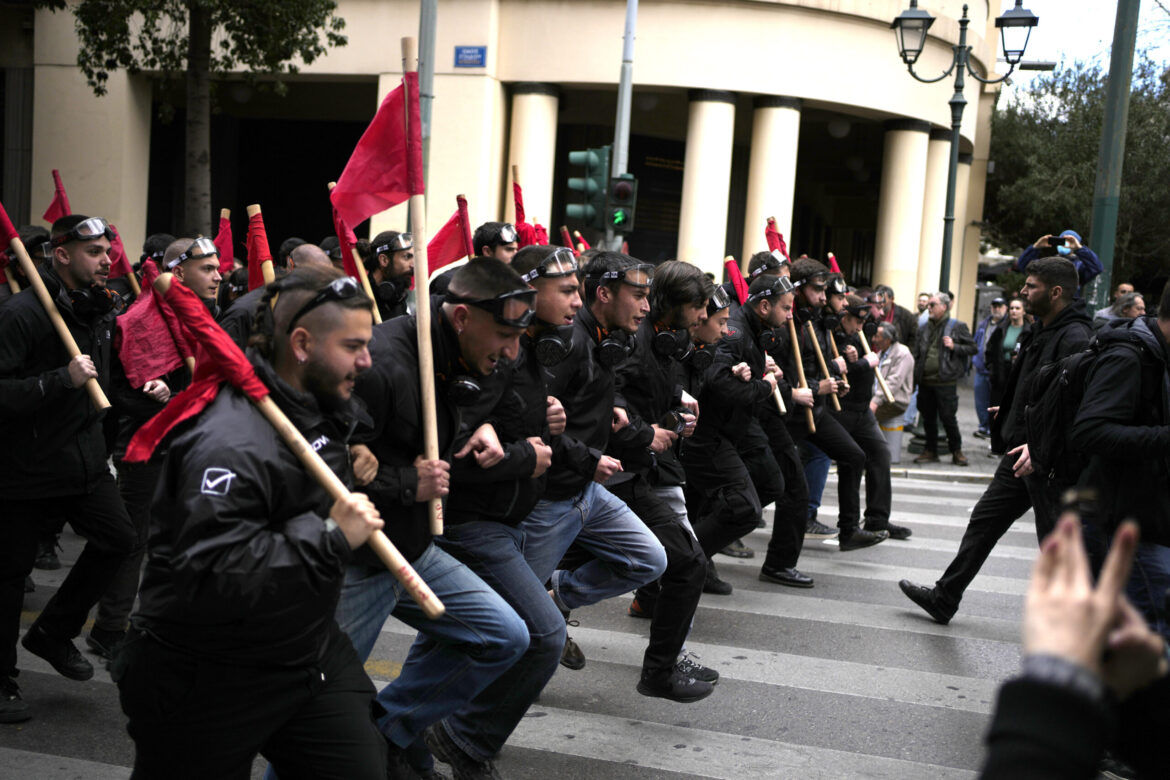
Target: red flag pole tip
x,y
163,282
253,210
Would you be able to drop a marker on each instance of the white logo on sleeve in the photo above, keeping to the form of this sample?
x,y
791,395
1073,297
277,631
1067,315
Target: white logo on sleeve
x,y
216,482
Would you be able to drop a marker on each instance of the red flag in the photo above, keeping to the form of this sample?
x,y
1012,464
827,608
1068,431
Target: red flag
x,y
348,241
119,263
7,231
59,207
219,360
386,165
527,234
737,280
465,221
568,240
258,250
833,264
775,239
581,239
148,337
223,244
452,242
3,265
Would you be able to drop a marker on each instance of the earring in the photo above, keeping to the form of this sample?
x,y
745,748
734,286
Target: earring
x,y
301,361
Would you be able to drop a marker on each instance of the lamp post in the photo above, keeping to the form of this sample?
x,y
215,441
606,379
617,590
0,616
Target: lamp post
x,y
910,30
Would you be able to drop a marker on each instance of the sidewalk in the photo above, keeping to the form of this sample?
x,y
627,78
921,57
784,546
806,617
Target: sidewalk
x,y
977,450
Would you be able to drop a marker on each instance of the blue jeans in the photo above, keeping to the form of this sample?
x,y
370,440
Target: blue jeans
x,y
625,554
983,400
1148,583
911,413
816,473
452,659
495,552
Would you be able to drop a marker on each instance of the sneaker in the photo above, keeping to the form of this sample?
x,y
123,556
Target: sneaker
x,y
103,642
397,767
858,538
463,766
673,686
790,577
60,653
713,585
959,459
738,549
814,529
927,456
982,434
637,610
894,531
571,655
47,557
925,598
12,707
688,666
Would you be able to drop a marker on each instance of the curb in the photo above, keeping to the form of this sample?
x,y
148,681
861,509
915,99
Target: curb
x,y
940,476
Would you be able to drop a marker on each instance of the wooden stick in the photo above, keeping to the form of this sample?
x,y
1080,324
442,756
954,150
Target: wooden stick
x,y
821,362
266,269
13,284
426,360
876,371
812,426
319,470
836,354
780,407
100,402
225,213
190,361
132,280
363,277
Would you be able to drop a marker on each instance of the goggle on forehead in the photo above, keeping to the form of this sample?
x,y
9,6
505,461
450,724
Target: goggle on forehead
x,y
498,306
89,230
782,286
817,281
508,234
559,264
203,247
399,243
775,260
623,275
718,301
338,290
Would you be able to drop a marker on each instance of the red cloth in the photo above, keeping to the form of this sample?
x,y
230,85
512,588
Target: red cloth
x,y
119,263
59,206
223,244
7,231
527,234
737,280
833,264
348,241
219,360
465,221
3,265
258,250
447,246
568,240
386,165
583,242
775,239
146,344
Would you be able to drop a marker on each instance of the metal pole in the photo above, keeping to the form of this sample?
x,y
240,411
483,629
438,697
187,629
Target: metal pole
x,y
1107,191
957,103
621,135
427,21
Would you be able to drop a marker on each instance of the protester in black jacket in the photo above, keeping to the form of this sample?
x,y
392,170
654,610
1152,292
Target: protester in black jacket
x,y
234,649
1063,326
53,462
391,269
240,316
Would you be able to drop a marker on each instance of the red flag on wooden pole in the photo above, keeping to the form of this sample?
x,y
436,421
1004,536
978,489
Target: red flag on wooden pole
x,y
59,206
737,281
568,240
775,239
223,243
260,270
833,263
148,344
120,263
581,239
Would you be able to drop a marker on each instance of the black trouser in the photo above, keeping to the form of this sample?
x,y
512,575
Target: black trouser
x,y
136,484
1006,500
721,501
863,427
778,476
680,586
191,717
832,440
937,402
101,519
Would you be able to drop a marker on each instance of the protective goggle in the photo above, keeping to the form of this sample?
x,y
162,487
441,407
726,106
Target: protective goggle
x,y
508,234
89,230
499,306
623,275
837,285
156,256
817,281
718,301
782,286
203,247
861,311
399,243
775,260
338,290
559,264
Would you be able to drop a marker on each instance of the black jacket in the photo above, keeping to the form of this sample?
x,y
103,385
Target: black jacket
x,y
237,318
952,363
906,323
134,407
53,440
646,383
242,565
858,374
1123,426
1038,345
737,403
391,298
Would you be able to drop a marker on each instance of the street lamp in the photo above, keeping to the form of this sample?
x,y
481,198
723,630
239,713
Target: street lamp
x,y
910,28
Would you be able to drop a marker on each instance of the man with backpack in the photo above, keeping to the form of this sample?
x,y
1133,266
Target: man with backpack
x,y
1123,430
942,353
1063,327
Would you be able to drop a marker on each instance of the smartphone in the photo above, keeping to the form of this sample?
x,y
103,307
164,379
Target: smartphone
x,y
1058,241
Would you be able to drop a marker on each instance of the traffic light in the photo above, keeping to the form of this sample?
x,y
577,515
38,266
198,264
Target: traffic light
x,y
593,187
620,202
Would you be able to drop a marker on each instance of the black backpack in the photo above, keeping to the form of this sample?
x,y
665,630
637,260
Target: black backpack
x,y
1053,402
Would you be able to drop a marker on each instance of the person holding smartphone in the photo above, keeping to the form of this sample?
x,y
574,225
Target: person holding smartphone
x,y
1067,245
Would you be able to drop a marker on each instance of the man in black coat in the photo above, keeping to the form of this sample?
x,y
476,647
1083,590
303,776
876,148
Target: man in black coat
x,y
941,352
53,463
391,269
1063,326
234,649
238,318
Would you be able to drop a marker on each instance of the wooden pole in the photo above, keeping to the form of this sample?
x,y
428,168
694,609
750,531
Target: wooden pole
x,y
426,360
319,470
100,402
13,284
836,354
132,280
225,213
780,407
363,277
812,426
876,371
266,268
821,362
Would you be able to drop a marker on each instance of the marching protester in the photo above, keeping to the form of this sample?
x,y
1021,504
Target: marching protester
x,y
237,528
391,270
491,239
941,351
238,318
1062,327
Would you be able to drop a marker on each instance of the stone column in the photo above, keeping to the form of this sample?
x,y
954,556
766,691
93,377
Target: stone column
x,y
964,271
938,160
772,170
899,220
702,230
532,145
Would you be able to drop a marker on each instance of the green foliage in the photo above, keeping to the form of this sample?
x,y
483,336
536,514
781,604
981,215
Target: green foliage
x,y
1045,148
257,37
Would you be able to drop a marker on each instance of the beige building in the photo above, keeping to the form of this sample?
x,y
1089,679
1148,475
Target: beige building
x,y
742,109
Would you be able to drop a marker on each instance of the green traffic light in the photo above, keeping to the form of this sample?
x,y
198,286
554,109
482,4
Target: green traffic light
x,y
618,217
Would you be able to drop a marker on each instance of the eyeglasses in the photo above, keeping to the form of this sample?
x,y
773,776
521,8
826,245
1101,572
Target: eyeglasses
x,y
775,260
782,286
203,247
623,275
399,243
89,230
559,264
719,300
338,290
498,306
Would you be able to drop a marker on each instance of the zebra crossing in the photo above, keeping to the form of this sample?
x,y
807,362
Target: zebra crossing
x,y
846,680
